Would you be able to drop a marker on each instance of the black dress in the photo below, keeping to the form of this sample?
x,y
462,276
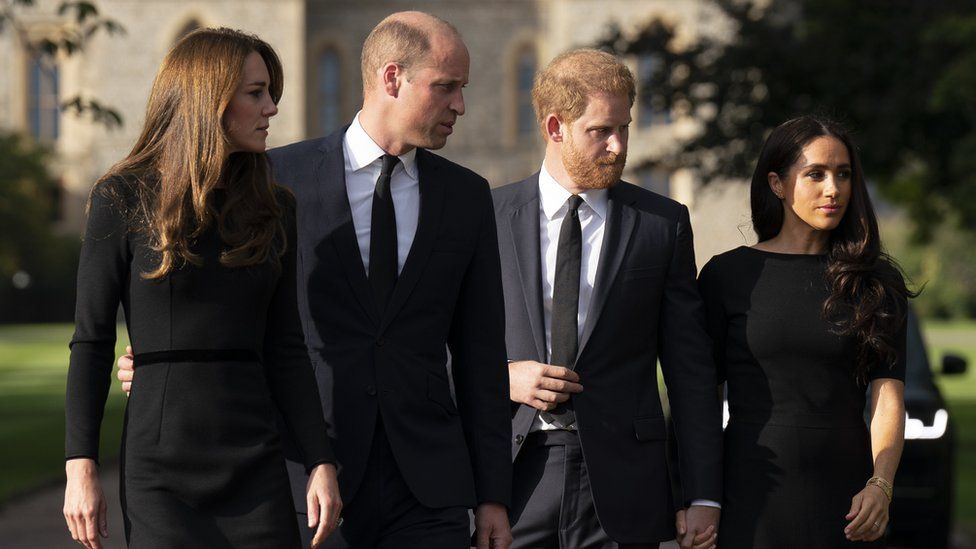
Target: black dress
x,y
797,448
217,350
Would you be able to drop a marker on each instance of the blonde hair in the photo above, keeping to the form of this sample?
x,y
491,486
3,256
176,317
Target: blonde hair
x,y
405,43
181,155
565,85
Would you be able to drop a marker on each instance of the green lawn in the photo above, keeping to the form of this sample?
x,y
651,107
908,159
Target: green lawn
x,y
33,363
959,338
34,359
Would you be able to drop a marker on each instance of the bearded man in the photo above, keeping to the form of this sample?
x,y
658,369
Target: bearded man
x,y
599,283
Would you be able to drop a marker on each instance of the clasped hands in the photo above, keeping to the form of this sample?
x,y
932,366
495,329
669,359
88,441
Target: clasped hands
x,y
697,527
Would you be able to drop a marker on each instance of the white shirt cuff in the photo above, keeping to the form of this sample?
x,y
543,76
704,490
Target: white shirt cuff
x,y
707,503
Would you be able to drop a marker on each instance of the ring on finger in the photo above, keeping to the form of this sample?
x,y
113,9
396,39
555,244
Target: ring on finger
x,y
877,525
339,522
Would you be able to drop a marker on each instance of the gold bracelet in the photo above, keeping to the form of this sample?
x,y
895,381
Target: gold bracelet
x,y
885,486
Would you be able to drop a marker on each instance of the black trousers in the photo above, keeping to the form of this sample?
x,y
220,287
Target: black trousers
x,y
552,505
384,514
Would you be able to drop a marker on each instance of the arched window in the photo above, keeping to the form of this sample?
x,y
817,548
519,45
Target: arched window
x,y
189,27
524,75
328,91
44,113
649,112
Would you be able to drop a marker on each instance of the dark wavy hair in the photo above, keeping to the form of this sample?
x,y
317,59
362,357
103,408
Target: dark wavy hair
x,y
868,293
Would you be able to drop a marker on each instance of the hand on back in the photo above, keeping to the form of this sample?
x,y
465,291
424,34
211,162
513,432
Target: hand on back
x,y
126,370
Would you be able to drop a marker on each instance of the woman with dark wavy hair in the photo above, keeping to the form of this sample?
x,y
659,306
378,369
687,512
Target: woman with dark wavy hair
x,y
196,242
803,323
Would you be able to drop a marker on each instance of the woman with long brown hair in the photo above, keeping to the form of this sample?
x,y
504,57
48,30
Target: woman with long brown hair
x,y
192,237
804,323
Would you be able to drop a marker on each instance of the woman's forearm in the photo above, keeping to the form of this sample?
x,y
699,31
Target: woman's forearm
x,y
887,426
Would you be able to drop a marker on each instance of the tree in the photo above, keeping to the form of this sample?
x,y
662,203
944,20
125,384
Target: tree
x,y
80,22
900,73
36,265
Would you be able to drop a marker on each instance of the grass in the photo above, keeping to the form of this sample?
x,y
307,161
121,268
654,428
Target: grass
x,y
34,360
959,338
33,364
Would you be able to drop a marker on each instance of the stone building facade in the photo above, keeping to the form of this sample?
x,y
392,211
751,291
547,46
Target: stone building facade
x,y
319,42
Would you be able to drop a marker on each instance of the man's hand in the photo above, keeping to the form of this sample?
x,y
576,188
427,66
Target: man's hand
x,y
541,386
126,370
698,527
491,530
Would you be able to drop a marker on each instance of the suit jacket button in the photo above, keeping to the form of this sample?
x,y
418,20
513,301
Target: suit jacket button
x,y
519,439
370,390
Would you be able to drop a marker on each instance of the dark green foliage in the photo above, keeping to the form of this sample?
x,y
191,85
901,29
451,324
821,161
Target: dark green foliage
x,y
28,244
900,73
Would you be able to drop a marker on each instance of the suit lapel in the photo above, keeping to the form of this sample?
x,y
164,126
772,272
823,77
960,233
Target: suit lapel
x,y
525,238
330,176
432,197
621,220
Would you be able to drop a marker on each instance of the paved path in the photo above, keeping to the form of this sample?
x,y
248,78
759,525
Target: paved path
x,y
35,521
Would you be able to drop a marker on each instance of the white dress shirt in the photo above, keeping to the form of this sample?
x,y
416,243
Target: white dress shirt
x,y
553,208
363,161
593,220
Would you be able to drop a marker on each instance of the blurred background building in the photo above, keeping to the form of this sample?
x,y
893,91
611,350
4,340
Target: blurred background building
x,y
319,42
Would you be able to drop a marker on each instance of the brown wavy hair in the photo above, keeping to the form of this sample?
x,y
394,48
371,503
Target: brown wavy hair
x,y
182,155
868,293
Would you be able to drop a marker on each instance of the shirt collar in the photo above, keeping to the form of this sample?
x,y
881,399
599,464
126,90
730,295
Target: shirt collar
x,y
361,150
553,196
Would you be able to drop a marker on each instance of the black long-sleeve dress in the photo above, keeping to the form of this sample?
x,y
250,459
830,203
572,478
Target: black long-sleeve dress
x,y
797,448
217,349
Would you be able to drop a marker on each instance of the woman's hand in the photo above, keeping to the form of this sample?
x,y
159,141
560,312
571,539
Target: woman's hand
x,y
324,502
868,515
84,504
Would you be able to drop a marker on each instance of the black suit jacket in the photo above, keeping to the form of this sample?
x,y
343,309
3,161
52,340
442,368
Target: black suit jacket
x,y
645,305
448,295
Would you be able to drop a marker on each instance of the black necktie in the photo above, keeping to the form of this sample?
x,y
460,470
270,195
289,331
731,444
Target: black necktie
x,y
383,236
563,337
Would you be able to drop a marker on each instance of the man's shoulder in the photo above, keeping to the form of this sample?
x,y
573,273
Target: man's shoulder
x,y
515,194
445,168
648,201
298,149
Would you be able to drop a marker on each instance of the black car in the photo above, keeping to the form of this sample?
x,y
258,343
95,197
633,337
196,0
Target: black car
x,y
922,509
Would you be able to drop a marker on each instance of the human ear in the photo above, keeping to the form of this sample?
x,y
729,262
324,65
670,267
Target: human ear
x,y
554,128
775,184
390,74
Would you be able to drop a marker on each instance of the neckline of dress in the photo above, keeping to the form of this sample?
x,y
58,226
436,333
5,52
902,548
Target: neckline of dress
x,y
782,255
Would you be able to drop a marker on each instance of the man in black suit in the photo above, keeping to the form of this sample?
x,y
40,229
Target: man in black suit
x,y
599,283
398,262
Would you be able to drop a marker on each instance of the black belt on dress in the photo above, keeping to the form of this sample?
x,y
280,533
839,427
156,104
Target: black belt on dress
x,y
196,355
